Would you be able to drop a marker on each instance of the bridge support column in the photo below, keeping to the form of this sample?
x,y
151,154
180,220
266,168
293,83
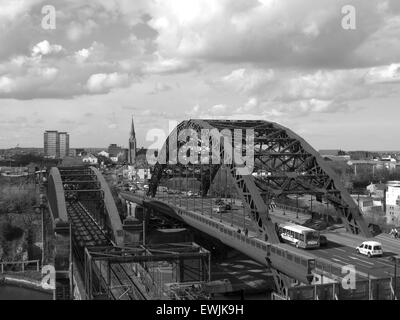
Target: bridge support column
x,y
133,231
63,261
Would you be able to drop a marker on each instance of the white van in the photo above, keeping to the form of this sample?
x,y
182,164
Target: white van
x,y
370,248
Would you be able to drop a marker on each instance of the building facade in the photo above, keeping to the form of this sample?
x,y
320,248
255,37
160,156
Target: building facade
x,y
51,144
89,158
63,144
393,202
56,144
114,150
132,145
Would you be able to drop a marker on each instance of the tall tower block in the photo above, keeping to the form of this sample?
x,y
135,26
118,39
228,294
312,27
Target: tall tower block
x,y
132,145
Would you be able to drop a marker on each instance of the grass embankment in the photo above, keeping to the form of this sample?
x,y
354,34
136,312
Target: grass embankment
x,y
19,224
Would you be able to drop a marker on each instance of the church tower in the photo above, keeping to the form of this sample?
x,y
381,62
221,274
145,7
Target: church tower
x,y
132,145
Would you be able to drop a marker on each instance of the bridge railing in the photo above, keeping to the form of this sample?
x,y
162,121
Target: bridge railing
x,y
368,289
19,266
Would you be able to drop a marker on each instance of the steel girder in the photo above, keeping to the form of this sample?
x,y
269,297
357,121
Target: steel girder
x,y
284,164
93,190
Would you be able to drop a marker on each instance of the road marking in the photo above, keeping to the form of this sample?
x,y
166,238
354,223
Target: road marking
x,y
338,260
355,258
385,264
340,249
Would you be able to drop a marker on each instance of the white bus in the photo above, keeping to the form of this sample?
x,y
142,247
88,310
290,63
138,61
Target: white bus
x,y
301,237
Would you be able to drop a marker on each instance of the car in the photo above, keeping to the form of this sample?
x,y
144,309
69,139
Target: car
x,y
370,248
323,241
219,209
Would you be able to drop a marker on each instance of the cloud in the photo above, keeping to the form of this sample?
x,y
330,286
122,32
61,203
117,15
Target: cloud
x,y
11,10
160,87
248,80
77,30
7,85
277,33
161,65
384,74
306,107
103,83
45,48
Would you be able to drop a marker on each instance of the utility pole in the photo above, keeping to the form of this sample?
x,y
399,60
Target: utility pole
x,y
43,237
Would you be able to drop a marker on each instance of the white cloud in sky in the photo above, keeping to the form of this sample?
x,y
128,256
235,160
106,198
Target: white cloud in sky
x,y
102,83
45,48
282,60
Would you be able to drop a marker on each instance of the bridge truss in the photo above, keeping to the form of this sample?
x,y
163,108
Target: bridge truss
x,y
284,165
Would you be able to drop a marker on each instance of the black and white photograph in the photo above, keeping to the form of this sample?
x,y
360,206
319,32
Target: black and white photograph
x,y
200,155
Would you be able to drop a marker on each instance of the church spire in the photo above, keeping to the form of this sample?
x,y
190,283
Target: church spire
x,y
132,145
133,130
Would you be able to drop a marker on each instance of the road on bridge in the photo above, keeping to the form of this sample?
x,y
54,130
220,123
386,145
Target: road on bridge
x,y
341,245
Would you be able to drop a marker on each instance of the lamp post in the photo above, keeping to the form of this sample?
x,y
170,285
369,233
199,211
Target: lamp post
x,y
395,259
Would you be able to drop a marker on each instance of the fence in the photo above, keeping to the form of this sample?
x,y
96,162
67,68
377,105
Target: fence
x,y
19,266
372,289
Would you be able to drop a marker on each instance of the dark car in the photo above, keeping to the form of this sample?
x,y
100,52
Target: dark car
x,y
323,241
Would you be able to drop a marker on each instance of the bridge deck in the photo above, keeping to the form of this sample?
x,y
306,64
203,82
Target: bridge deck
x,y
339,252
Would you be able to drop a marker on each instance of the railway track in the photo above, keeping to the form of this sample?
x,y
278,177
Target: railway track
x,y
86,233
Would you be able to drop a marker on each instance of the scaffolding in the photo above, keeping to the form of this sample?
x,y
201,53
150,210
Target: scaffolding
x,y
147,272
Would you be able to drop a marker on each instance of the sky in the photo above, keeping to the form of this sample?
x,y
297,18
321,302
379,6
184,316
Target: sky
x,y
162,61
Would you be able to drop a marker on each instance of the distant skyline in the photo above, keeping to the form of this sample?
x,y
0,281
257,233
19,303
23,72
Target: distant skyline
x,y
284,61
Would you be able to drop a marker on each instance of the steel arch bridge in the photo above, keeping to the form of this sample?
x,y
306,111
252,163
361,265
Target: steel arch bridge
x,y
290,166
83,213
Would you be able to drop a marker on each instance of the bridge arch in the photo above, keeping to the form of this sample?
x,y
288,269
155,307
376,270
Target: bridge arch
x,y
111,209
57,200
290,166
